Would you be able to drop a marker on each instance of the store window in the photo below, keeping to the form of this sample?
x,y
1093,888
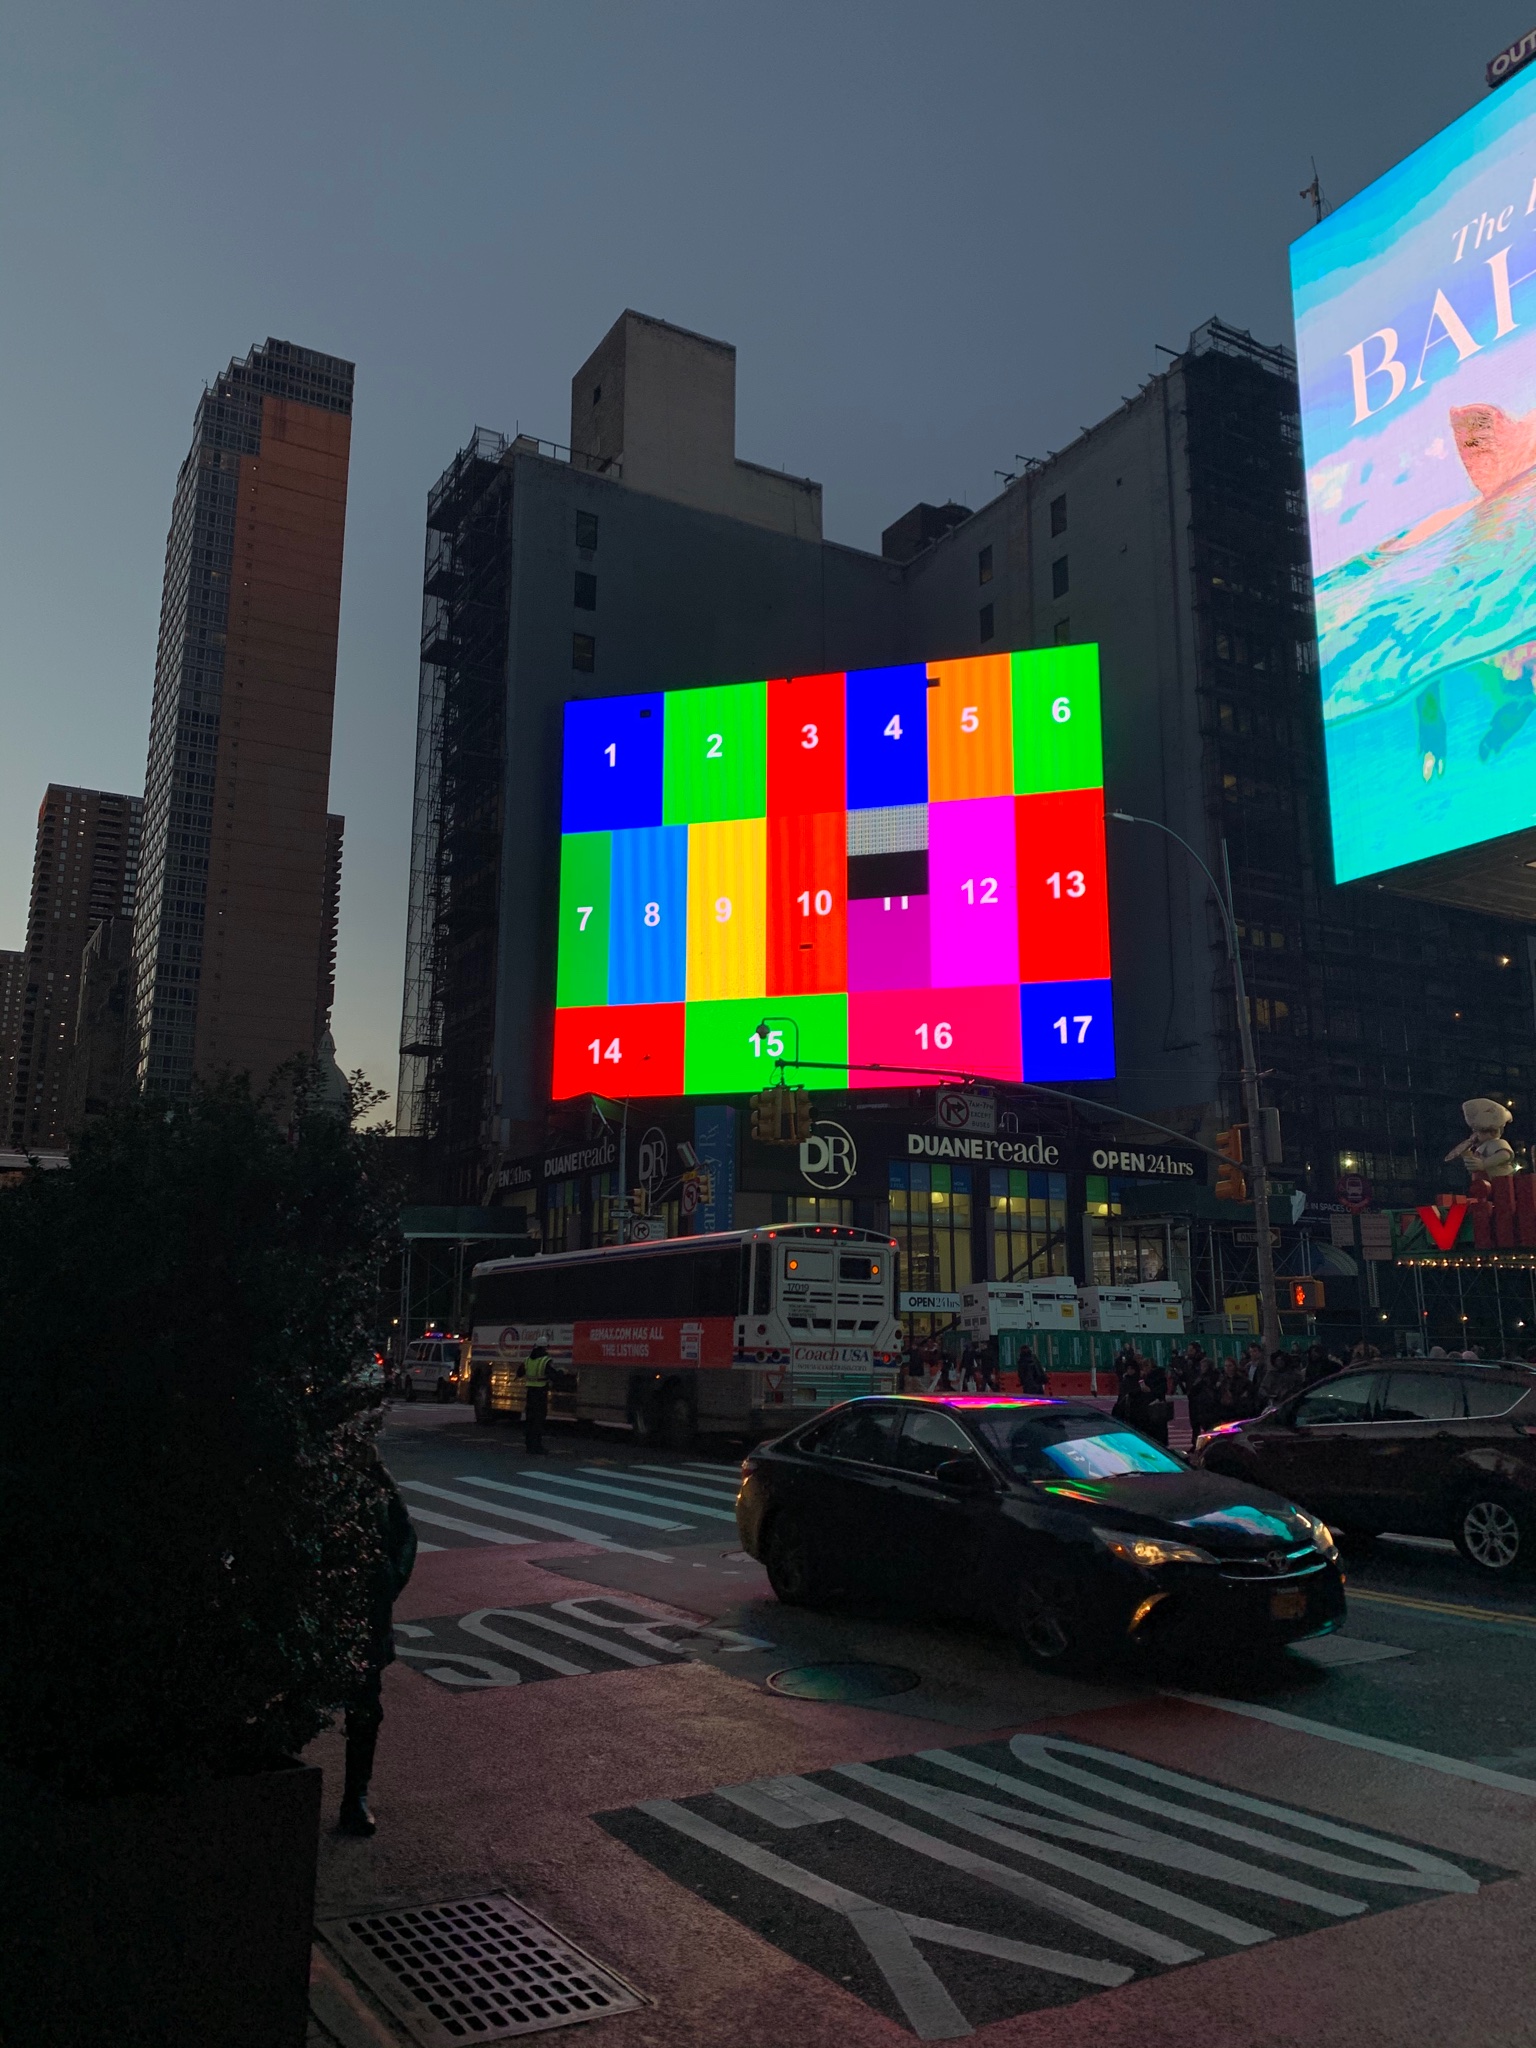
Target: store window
x,y
1126,1251
562,1216
816,1209
931,1222
1029,1224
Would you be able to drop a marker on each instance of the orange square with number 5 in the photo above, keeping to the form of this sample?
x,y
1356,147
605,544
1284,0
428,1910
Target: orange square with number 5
x,y
970,728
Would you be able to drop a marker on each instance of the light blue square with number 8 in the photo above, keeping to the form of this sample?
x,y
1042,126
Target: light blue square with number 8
x,y
648,916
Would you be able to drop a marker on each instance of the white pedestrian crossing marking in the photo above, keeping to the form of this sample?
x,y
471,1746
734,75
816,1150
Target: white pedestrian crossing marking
x,y
536,1493
729,1485
568,1529
437,1521
629,1491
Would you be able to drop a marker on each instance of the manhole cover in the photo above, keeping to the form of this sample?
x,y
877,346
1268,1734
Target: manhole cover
x,y
844,1682
481,1969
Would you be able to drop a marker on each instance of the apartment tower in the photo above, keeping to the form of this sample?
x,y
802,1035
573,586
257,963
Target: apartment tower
x,y
84,873
235,936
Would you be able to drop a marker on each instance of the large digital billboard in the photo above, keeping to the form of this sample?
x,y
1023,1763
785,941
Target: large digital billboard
x,y
1416,342
891,873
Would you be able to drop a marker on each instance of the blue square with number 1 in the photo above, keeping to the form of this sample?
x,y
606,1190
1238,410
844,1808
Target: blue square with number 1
x,y
1068,1030
612,769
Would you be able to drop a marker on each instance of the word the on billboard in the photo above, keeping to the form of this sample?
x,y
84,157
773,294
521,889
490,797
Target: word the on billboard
x,y
886,874
1416,340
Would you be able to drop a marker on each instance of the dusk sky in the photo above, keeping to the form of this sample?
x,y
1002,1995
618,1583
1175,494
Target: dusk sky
x,y
940,238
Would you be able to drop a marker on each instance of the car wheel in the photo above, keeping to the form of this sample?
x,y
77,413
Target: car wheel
x,y
793,1567
1054,1625
1494,1536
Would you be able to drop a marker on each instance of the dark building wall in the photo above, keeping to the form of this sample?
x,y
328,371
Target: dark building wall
x,y
84,870
13,994
98,1066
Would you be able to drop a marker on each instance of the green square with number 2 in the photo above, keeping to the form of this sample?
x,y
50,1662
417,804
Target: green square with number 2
x,y
1057,739
585,870
716,754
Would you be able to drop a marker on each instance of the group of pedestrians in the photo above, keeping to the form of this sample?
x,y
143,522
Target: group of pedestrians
x,y
927,1368
1219,1390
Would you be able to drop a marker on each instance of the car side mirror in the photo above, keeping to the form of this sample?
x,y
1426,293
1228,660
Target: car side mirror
x,y
962,1475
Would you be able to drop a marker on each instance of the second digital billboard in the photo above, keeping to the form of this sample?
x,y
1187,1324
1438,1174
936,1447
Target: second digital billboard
x,y
888,874
1416,345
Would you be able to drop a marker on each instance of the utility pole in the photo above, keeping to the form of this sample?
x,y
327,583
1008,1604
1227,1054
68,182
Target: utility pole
x,y
1258,1183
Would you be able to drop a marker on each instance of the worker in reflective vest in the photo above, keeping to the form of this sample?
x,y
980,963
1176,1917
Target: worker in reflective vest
x,y
535,1396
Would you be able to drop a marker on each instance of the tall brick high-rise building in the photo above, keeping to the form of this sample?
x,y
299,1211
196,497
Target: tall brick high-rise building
x,y
84,871
235,934
13,989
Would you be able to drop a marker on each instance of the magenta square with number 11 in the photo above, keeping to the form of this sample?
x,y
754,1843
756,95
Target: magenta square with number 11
x,y
973,920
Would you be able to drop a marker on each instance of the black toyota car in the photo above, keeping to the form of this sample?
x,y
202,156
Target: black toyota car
x,y
1070,1529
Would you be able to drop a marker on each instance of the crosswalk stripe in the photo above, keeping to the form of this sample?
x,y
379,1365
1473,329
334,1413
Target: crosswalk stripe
x,y
426,1549
463,1528
728,1475
592,1507
661,1500
666,1475
570,1529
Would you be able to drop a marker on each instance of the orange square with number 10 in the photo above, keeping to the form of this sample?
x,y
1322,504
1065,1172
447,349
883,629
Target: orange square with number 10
x,y
970,728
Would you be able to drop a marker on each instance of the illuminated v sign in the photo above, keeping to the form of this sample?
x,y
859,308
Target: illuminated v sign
x,y
1444,1230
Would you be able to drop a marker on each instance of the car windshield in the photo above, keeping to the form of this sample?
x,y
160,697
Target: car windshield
x,y
1048,1442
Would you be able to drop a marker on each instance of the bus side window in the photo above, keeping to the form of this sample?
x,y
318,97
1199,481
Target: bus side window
x,y
762,1281
744,1283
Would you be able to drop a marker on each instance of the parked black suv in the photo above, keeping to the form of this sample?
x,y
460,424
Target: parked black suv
x,y
1419,1446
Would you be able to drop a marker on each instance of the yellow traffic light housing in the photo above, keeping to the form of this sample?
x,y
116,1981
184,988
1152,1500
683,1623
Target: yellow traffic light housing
x,y
1231,1181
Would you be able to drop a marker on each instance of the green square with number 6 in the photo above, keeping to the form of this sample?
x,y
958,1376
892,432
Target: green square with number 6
x,y
1057,740
586,860
734,1047
716,754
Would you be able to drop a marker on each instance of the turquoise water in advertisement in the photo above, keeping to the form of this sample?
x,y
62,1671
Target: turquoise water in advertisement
x,y
1416,344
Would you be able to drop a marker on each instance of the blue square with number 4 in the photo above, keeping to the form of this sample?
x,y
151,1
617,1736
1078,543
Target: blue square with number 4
x,y
887,713
612,768
1068,1030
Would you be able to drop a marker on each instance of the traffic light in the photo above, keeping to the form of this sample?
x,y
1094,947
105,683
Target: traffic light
x,y
781,1116
638,1201
1231,1181
1304,1294
764,1117
801,1104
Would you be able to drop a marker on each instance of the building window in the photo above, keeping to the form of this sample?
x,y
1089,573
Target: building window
x,y
984,566
586,591
931,1223
583,653
1063,632
1059,514
586,530
1059,581
1029,1224
986,622
597,394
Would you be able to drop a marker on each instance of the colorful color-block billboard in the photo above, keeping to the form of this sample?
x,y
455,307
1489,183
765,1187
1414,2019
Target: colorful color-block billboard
x,y
892,875
1416,343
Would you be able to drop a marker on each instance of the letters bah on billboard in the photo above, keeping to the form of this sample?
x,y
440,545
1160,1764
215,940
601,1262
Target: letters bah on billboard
x,y
1416,339
888,875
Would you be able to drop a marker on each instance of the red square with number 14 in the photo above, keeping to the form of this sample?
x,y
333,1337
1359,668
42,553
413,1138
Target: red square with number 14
x,y
619,1049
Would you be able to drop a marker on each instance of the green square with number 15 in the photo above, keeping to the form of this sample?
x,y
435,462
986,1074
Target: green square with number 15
x,y
733,1047
1057,740
716,754
585,868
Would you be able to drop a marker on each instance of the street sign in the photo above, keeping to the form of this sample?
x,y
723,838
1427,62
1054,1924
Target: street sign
x,y
1252,1236
960,1109
689,1193
930,1304
643,1229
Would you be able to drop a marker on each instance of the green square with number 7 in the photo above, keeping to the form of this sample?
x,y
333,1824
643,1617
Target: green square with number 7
x,y
1057,741
734,1047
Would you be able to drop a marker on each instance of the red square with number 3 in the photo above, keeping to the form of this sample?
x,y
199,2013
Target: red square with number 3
x,y
953,1030
806,745
619,1049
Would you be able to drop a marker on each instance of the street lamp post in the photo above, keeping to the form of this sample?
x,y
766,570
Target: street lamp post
x,y
1269,1313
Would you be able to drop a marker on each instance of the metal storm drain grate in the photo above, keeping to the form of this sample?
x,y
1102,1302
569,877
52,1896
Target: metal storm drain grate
x,y
481,1969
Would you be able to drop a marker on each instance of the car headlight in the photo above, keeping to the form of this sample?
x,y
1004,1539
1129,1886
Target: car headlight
x,y
1149,1551
1320,1533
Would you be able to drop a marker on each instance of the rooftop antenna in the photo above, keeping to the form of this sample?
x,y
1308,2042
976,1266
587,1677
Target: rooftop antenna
x,y
1314,192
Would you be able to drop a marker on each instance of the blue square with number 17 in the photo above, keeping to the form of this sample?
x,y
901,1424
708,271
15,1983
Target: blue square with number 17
x,y
1068,1030
612,767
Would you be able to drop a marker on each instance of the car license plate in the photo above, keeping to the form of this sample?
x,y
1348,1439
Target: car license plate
x,y
1290,1604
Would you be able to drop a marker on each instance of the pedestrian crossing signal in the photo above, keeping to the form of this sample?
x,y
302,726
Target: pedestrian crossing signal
x,y
1231,1181
1304,1293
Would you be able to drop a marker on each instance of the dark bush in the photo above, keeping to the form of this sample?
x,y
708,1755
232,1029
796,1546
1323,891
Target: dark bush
x,y
183,1529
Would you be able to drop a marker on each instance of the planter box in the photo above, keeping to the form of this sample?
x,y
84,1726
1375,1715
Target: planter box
x,y
144,1922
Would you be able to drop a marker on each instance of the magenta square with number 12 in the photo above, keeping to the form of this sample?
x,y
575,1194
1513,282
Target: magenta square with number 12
x,y
973,920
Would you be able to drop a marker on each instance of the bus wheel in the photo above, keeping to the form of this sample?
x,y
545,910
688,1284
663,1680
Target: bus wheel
x,y
677,1430
645,1419
484,1412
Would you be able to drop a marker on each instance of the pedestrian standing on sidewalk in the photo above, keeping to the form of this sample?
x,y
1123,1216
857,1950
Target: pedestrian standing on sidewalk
x,y
365,1709
535,1396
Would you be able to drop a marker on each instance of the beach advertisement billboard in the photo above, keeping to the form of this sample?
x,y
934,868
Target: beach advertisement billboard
x,y
1416,343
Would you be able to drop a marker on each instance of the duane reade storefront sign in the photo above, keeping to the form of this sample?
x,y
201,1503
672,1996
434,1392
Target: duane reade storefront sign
x,y
1039,1151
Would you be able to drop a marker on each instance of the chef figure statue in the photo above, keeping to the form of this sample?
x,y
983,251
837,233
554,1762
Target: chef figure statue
x,y
1487,1154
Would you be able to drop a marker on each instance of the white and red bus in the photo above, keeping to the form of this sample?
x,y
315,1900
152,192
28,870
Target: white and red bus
x,y
724,1334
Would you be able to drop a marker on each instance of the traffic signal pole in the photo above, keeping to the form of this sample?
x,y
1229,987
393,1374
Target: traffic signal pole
x,y
1258,1170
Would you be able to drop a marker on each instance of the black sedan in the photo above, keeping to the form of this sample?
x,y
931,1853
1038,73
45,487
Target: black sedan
x,y
1070,1529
